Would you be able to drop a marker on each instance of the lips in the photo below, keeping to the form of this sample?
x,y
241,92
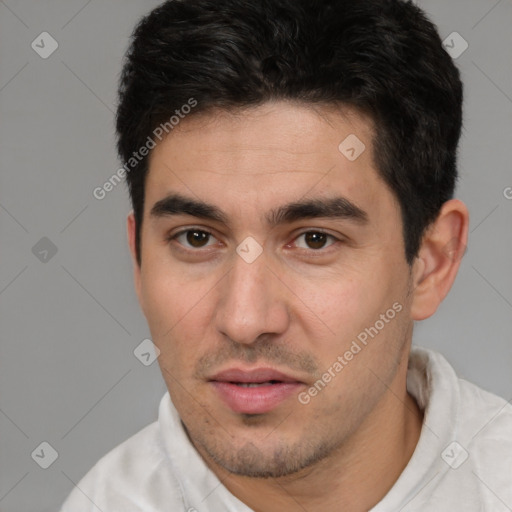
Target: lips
x,y
255,391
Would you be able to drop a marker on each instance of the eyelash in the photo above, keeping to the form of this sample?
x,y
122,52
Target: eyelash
x,y
174,236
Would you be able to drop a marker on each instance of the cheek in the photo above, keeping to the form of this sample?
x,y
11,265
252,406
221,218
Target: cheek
x,y
160,303
342,303
345,306
178,313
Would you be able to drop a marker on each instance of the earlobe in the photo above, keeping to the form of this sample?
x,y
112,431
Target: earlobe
x,y
131,233
438,260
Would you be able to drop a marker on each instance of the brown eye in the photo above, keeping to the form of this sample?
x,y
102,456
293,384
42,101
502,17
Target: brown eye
x,y
314,240
193,238
197,238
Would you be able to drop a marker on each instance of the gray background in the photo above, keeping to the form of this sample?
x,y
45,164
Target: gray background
x,y
70,324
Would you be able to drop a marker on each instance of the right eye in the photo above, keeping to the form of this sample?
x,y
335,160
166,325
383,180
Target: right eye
x,y
192,238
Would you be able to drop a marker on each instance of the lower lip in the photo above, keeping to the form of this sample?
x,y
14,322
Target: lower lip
x,y
255,400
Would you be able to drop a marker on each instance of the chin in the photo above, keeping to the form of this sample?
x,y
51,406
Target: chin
x,y
261,460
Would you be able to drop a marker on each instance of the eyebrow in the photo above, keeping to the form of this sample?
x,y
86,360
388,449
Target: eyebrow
x,y
334,208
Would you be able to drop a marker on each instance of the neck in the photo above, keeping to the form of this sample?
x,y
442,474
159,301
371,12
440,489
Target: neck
x,y
357,475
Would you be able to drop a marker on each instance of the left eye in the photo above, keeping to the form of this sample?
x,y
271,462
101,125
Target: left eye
x,y
314,239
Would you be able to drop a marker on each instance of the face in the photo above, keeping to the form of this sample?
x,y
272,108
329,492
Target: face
x,y
274,282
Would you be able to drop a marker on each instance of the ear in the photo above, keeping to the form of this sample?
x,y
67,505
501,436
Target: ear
x,y
438,260
131,227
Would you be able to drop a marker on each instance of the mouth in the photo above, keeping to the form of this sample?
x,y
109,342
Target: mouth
x,y
256,384
255,391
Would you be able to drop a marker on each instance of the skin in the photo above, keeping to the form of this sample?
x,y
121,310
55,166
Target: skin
x,y
295,308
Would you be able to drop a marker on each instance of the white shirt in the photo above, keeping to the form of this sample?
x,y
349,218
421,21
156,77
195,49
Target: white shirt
x,y
462,462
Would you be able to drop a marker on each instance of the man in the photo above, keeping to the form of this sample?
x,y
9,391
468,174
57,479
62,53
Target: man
x,y
292,165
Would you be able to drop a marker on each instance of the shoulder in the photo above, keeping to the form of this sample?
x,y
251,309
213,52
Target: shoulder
x,y
467,439
486,420
131,477
485,436
478,416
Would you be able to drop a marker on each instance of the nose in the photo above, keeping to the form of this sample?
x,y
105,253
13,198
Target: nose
x,y
252,301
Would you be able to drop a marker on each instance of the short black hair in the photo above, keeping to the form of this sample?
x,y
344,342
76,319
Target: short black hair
x,y
382,57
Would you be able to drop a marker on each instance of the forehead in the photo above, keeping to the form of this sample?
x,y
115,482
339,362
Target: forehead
x,y
256,158
291,130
